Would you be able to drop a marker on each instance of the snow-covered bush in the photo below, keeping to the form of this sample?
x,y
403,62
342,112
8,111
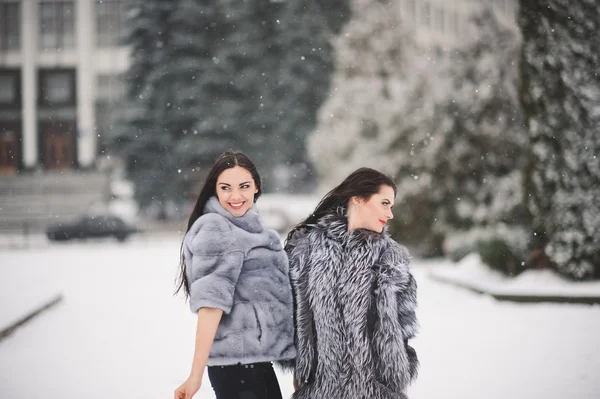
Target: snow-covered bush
x,y
498,255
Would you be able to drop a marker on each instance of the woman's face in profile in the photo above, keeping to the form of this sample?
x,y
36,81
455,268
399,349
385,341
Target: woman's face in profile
x,y
235,190
372,214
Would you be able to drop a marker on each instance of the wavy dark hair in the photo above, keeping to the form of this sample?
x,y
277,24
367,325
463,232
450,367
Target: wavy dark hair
x,y
362,183
226,160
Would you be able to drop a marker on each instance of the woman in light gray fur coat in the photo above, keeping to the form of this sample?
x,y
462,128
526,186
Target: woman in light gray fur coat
x,y
354,296
235,274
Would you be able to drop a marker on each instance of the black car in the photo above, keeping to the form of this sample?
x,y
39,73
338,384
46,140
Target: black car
x,y
91,227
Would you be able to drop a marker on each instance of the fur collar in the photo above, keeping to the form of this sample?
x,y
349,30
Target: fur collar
x,y
250,221
334,226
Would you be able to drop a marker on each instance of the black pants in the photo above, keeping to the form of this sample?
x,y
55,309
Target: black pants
x,y
245,381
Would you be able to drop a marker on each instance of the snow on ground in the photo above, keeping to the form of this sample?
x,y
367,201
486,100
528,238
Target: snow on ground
x,y
120,333
474,273
17,302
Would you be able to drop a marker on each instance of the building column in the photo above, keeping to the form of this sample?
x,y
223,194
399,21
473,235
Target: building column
x,y
86,136
29,83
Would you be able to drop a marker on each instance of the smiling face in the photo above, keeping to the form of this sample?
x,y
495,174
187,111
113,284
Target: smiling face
x,y
235,190
371,214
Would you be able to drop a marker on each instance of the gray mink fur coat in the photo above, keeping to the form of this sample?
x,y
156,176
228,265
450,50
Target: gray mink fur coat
x,y
354,312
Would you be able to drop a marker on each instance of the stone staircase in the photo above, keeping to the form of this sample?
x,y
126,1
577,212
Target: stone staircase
x,y
31,202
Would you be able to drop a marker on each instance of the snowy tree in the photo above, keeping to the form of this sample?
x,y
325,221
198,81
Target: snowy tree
x,y
369,84
307,28
207,77
227,78
463,142
561,101
446,124
214,55
142,138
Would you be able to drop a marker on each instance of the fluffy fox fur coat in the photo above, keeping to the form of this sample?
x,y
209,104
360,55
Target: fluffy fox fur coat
x,y
354,312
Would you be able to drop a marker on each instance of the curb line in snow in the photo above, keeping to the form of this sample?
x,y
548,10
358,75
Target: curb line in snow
x,y
5,332
522,298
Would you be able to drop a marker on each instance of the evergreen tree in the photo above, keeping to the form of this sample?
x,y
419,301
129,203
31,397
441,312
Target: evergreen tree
x,y
198,28
210,76
561,100
308,30
226,50
143,139
446,124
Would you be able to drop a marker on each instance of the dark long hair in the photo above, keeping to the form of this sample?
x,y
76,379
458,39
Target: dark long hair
x,y
362,183
226,160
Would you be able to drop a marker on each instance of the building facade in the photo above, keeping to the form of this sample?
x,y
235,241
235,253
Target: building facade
x,y
447,22
61,63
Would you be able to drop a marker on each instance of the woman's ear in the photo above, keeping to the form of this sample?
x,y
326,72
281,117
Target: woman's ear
x,y
355,201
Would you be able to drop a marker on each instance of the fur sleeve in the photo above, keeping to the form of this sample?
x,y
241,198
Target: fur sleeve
x,y
298,250
216,263
397,259
407,303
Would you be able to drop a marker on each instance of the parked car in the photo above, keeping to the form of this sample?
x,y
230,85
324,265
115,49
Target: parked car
x,y
92,227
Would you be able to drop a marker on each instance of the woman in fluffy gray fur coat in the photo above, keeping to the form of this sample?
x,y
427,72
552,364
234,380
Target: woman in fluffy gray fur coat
x,y
235,274
354,296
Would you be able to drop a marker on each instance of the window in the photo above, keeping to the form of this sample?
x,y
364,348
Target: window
x,y
411,10
57,87
110,20
10,21
453,23
425,15
438,20
9,88
57,24
109,93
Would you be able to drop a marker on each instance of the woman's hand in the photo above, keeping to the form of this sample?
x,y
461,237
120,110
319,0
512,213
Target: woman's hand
x,y
189,388
208,322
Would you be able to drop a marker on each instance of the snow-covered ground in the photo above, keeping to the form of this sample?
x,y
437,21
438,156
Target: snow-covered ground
x,y
120,333
472,272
